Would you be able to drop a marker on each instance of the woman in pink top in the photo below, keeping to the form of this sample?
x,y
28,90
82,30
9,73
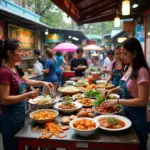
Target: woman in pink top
x,y
134,89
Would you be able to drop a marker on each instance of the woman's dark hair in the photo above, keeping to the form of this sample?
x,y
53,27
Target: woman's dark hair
x,y
117,47
5,46
133,45
58,53
49,53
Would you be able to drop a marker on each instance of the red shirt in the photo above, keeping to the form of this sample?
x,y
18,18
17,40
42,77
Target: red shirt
x,y
8,77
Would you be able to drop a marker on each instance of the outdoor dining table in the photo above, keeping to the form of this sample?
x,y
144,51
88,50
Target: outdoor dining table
x,y
100,140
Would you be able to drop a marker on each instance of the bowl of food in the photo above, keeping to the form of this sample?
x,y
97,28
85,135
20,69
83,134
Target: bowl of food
x,y
84,126
113,96
43,115
106,86
68,107
78,96
67,98
69,82
102,109
43,101
113,122
80,83
86,102
68,90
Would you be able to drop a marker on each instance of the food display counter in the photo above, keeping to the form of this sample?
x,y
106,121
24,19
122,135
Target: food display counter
x,y
124,140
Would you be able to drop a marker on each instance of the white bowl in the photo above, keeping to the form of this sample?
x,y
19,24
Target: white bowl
x,y
101,81
42,121
49,105
124,119
69,82
113,96
78,106
84,133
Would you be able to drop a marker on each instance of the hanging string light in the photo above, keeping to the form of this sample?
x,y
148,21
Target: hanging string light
x,y
125,7
117,20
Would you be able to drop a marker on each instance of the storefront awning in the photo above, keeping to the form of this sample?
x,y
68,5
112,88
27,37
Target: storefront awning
x,y
89,11
6,11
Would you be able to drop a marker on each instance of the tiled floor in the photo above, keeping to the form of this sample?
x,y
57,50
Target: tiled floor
x,y
1,145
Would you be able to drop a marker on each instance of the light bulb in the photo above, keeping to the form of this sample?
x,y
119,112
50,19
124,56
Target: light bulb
x,y
125,7
117,22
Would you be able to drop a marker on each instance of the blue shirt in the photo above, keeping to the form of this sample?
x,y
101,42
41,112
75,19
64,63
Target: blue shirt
x,y
51,76
59,63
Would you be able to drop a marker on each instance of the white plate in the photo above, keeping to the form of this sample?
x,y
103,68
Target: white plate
x,y
33,102
86,105
78,106
78,84
100,81
69,82
75,96
124,119
113,113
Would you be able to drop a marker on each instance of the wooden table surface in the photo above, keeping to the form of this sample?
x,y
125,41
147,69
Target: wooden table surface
x,y
126,140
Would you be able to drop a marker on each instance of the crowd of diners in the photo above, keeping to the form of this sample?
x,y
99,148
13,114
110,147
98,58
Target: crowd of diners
x,y
125,67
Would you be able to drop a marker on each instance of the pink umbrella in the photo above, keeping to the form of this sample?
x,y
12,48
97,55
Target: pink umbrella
x,y
65,47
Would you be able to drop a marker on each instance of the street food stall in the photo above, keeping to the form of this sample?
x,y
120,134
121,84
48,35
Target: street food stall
x,y
55,122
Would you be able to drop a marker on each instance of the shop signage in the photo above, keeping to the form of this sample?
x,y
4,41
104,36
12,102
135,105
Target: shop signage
x,y
54,38
25,36
2,31
139,34
129,26
91,42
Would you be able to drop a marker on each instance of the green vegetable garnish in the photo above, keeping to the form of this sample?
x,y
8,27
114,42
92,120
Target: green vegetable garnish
x,y
91,93
67,99
99,100
112,120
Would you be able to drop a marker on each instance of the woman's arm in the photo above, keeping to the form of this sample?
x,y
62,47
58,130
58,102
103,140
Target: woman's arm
x,y
140,101
110,75
29,82
45,71
14,99
114,90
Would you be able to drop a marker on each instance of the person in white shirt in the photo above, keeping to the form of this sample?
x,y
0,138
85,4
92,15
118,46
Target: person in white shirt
x,y
101,59
107,62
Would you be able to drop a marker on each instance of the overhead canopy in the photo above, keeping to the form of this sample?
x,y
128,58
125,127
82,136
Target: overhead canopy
x,y
13,16
90,11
